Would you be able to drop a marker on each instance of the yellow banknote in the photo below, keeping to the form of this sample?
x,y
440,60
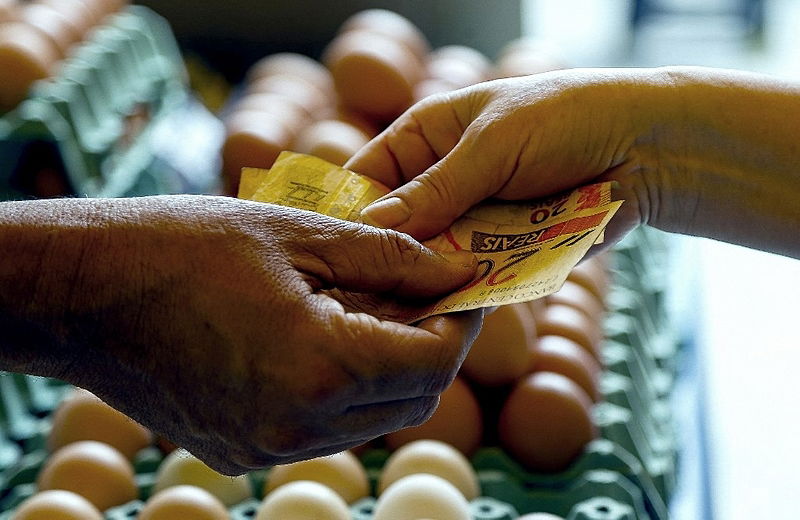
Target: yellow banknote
x,y
525,250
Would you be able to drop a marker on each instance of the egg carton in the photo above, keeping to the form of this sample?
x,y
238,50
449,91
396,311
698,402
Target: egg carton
x,y
117,119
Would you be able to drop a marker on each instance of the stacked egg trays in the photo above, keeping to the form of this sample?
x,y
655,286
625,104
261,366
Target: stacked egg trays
x,y
98,113
629,472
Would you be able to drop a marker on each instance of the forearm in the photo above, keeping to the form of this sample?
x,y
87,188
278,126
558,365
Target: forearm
x,y
727,158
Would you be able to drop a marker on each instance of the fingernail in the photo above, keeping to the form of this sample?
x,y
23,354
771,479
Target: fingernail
x,y
462,257
387,213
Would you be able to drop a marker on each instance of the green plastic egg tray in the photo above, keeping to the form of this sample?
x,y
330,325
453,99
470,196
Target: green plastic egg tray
x,y
630,472
120,96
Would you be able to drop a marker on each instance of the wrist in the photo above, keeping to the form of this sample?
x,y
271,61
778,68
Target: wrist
x,y
720,157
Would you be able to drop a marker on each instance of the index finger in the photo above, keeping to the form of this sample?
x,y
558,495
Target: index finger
x,y
414,142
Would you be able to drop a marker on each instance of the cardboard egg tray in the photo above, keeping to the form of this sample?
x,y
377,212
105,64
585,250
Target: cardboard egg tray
x,y
116,120
628,473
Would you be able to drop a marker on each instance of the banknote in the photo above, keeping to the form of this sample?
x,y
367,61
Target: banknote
x,y
525,249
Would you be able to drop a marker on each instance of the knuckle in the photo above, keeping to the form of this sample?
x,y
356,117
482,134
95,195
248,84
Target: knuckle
x,y
423,411
398,248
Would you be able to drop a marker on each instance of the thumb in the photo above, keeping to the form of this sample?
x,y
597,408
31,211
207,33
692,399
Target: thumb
x,y
375,260
429,203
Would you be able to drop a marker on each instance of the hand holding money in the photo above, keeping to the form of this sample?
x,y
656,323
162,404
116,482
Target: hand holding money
x,y
525,250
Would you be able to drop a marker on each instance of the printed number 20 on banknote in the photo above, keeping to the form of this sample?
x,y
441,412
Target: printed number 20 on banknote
x,y
525,250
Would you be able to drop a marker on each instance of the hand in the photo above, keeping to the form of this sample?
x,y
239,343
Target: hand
x,y
694,150
513,139
213,321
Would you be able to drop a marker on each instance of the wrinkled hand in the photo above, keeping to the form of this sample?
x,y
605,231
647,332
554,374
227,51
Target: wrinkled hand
x,y
512,139
213,321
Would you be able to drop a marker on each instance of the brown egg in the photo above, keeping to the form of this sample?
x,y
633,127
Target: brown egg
x,y
373,74
281,107
563,356
304,93
26,55
526,56
183,502
563,320
56,504
576,295
82,416
53,24
430,87
81,14
593,275
254,140
457,421
8,10
499,354
293,64
392,25
546,422
465,54
523,64
334,141
363,123
92,469
456,72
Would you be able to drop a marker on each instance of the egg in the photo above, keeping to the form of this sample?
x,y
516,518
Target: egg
x,y
465,54
303,500
53,24
363,123
525,56
253,139
181,467
334,141
8,10
79,15
83,416
456,72
578,296
26,55
341,472
430,87
546,422
499,354
389,24
284,109
433,457
421,496
373,74
92,469
593,275
457,421
569,322
183,502
301,91
539,516
56,504
563,356
293,64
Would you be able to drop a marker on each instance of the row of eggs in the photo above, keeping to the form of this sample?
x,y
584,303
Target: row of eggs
x,y
36,36
378,65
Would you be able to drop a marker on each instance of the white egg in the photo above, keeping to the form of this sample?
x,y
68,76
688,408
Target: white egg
x,y
342,472
422,496
303,500
433,457
181,467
